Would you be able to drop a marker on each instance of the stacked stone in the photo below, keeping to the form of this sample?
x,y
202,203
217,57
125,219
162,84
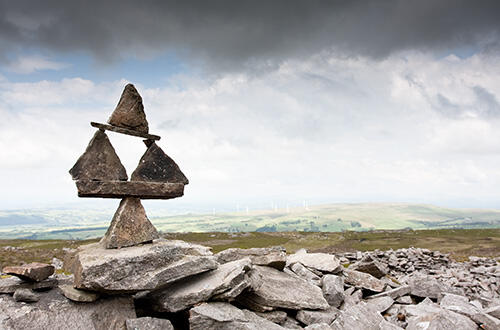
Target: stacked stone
x,y
100,173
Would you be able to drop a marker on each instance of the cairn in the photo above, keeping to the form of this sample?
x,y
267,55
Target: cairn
x,y
100,173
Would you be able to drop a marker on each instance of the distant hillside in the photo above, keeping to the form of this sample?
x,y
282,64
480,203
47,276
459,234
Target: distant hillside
x,y
85,224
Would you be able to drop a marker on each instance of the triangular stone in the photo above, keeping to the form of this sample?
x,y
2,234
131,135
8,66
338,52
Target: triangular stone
x,y
156,166
99,162
129,112
130,226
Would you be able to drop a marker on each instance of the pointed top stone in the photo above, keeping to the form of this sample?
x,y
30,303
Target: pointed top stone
x,y
156,166
129,113
99,162
130,226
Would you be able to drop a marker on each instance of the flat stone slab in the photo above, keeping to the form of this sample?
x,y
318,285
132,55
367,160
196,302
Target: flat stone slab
x,y
224,316
11,284
126,131
273,257
359,316
281,290
363,280
157,166
78,295
149,323
428,286
99,161
138,268
201,287
129,113
25,295
122,189
130,226
323,262
393,293
54,311
34,271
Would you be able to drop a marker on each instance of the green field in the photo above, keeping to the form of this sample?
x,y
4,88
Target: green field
x,y
76,225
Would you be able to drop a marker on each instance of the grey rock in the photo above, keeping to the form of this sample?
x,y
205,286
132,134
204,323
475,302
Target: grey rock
x,y
322,262
78,295
425,307
11,284
427,286
224,316
310,317
380,304
130,226
291,323
53,311
129,113
122,189
149,323
99,161
34,271
359,316
406,300
26,295
352,299
274,316
394,293
363,280
199,288
458,304
318,326
486,321
386,325
305,273
273,257
493,311
157,166
333,289
370,265
443,319
138,268
280,290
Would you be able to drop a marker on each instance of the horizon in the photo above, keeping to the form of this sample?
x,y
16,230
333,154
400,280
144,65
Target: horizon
x,y
259,103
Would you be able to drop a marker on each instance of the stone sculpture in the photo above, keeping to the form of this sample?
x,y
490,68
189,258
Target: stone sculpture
x,y
100,173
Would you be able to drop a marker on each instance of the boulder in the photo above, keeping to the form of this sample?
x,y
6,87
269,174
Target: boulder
x,y
493,311
11,284
200,288
322,262
302,272
25,295
53,311
224,316
274,316
393,293
318,326
359,316
130,226
486,321
310,317
363,280
273,257
34,271
427,286
333,289
148,323
443,319
458,304
78,295
380,304
129,113
291,323
145,267
370,265
280,290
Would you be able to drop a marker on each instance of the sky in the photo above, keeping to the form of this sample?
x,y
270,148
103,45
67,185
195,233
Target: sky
x,y
261,103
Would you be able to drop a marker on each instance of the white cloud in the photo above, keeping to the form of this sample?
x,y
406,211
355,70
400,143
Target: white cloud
x,y
30,64
328,128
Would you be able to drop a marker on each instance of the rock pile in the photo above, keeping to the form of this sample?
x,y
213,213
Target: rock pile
x,y
177,285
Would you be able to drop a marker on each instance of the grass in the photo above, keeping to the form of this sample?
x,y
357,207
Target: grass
x,y
460,243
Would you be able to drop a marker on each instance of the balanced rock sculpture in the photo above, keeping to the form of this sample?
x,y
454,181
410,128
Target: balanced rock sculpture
x,y
100,173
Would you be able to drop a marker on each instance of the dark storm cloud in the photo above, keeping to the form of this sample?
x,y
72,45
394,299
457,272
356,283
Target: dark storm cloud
x,y
229,33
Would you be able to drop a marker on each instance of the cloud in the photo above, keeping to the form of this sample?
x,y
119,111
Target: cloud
x,y
328,128
257,34
30,64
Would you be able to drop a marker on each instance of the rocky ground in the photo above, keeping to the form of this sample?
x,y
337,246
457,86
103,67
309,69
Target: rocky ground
x,y
178,285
